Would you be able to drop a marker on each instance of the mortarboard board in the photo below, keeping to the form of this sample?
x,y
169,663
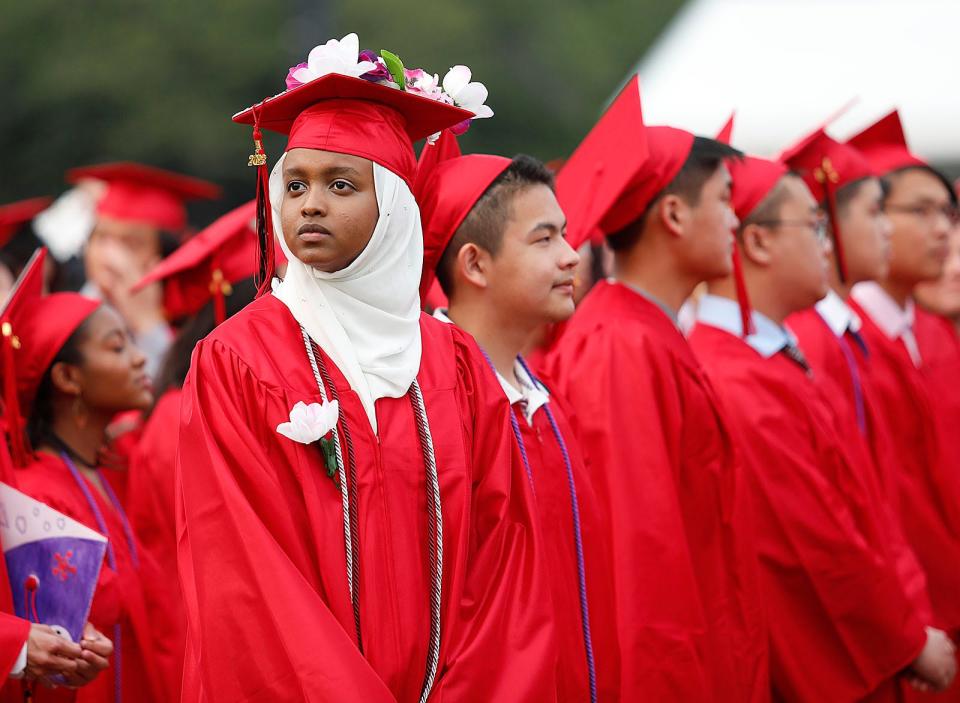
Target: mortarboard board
x,y
884,144
139,193
208,265
33,329
14,215
592,183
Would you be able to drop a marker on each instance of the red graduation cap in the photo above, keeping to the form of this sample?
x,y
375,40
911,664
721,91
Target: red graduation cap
x,y
452,189
345,115
33,329
826,166
592,183
884,145
752,180
141,193
15,215
208,265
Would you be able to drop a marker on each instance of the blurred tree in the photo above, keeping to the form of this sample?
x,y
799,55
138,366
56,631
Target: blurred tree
x,y
157,81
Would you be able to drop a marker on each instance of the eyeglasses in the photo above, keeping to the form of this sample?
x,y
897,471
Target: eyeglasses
x,y
927,212
819,226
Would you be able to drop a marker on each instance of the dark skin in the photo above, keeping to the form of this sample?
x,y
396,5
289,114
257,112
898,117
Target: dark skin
x,y
109,379
329,208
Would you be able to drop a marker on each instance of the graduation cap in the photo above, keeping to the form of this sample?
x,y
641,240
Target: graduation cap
x,y
53,563
826,166
347,115
752,180
452,188
14,215
33,329
139,193
208,265
592,184
884,144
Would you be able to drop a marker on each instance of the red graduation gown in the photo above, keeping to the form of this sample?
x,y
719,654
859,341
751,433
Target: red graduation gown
x,y
152,514
121,595
689,617
926,480
260,532
554,509
841,625
870,443
940,350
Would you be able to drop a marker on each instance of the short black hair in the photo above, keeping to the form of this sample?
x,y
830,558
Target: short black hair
x,y
846,194
705,157
890,177
484,224
768,209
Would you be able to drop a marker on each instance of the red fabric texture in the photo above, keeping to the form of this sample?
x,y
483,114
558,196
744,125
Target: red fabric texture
x,y
841,625
260,532
663,463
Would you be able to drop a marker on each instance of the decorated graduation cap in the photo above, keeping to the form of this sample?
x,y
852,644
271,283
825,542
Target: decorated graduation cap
x,y
452,188
33,329
884,144
138,193
208,265
593,184
826,166
352,102
752,180
13,216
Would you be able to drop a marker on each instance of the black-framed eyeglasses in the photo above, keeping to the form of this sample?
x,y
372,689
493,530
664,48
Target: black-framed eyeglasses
x,y
819,226
927,211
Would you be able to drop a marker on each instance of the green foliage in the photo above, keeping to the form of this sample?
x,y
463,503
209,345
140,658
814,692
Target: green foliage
x,y
157,82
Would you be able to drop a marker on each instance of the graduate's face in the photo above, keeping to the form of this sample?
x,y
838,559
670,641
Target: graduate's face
x,y
707,245
533,272
800,259
865,232
943,295
329,208
111,377
917,205
116,246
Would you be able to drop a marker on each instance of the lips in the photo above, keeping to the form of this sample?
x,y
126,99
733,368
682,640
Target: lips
x,y
311,232
565,286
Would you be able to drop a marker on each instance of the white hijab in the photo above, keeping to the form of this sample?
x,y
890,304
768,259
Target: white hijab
x,y
366,317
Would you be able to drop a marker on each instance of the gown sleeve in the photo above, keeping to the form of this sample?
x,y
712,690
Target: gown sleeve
x,y
258,627
502,643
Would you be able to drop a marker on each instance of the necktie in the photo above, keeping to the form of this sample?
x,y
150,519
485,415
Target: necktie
x,y
858,340
855,376
794,354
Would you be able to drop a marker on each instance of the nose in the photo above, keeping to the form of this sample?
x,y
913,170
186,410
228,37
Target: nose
x,y
569,257
314,203
886,226
733,221
137,358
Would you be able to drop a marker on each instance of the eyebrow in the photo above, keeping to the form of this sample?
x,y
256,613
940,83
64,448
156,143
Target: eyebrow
x,y
115,331
548,225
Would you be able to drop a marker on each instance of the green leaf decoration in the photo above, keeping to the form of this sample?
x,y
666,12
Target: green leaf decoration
x,y
395,66
329,456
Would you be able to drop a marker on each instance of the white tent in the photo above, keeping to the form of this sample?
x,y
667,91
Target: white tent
x,y
785,66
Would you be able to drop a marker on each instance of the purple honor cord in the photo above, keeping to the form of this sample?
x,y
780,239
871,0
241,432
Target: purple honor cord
x,y
855,380
575,510
111,557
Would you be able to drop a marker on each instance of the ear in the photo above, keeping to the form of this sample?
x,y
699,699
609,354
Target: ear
x,y
473,264
757,244
66,378
673,213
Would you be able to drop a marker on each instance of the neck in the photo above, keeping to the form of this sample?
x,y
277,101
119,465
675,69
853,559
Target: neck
x,y
502,337
84,439
839,287
898,290
655,274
